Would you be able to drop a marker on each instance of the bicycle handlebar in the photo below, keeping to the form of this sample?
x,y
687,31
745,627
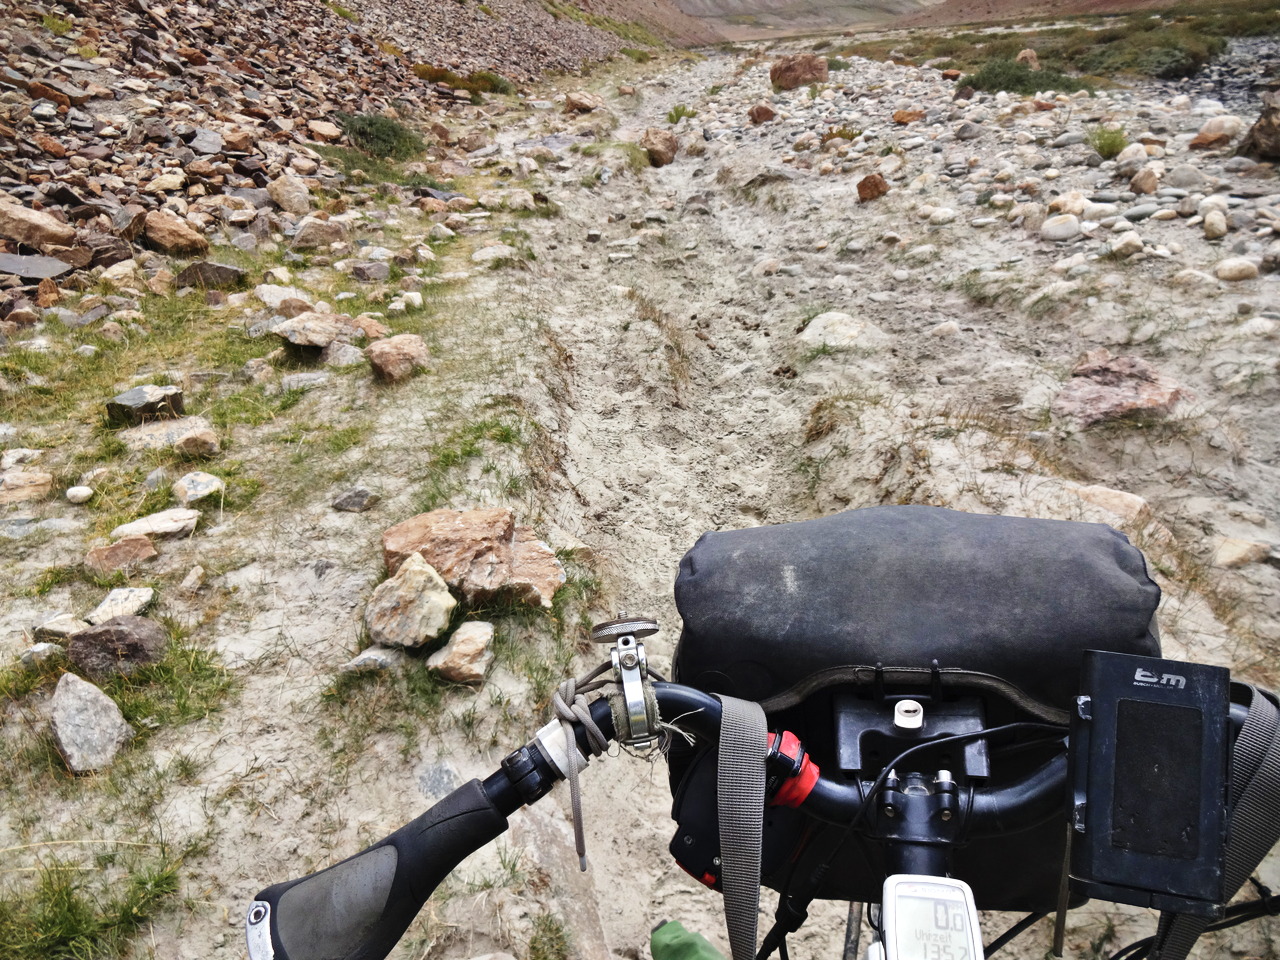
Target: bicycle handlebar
x,y
358,909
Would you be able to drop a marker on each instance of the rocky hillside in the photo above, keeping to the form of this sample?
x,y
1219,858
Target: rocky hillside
x,y
315,465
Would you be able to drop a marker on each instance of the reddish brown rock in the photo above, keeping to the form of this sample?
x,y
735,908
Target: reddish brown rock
x,y
470,549
121,555
49,145
761,113
872,187
788,73
536,574
1103,387
397,358
480,553
291,307
168,234
42,91
904,117
119,646
582,102
952,74
1209,141
47,293
661,145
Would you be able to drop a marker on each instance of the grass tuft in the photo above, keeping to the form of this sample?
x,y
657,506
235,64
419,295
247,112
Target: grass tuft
x,y
381,136
679,112
1107,141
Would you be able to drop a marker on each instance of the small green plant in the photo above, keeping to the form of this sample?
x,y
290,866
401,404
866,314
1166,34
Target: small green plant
x,y
679,112
836,63
550,940
66,911
636,156
56,25
639,56
342,11
841,133
482,81
381,136
1107,140
1014,77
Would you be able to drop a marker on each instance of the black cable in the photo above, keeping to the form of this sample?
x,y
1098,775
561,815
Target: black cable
x,y
1030,920
1235,915
775,934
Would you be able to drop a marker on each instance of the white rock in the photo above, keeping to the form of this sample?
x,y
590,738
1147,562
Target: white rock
x,y
196,486
39,653
499,251
1236,268
1127,244
61,627
466,656
87,725
374,658
1060,228
178,522
1232,552
121,602
836,329
1215,225
79,494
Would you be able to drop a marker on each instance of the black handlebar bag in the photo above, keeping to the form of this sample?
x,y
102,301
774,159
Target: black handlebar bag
x,y
908,600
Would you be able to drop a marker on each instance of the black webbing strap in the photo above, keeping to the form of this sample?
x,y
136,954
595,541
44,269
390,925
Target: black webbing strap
x,y
740,784
1254,824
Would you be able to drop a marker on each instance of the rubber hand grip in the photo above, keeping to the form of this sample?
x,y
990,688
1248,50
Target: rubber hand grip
x,y
360,908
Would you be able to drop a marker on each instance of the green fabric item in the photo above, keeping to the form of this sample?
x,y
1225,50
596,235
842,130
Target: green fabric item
x,y
672,941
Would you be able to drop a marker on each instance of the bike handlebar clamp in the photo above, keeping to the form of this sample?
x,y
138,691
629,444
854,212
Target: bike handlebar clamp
x,y
635,717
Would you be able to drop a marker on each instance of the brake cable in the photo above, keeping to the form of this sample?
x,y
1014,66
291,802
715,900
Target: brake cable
x,y
789,915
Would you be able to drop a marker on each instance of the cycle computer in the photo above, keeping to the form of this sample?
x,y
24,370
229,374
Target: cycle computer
x,y
929,918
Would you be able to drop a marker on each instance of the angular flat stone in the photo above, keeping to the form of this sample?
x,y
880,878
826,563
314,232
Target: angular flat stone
x,y
374,659
470,549
311,329
357,501
32,268
467,655
162,434
196,486
118,646
211,276
411,608
87,725
19,485
60,628
178,522
121,602
536,573
147,402
1104,387
39,653
121,555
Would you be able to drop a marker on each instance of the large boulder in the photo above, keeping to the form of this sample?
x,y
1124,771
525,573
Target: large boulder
x,y
799,70
579,101
147,402
119,646
290,195
480,553
87,725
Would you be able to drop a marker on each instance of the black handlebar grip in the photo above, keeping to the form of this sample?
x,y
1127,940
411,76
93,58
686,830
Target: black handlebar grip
x,y
360,908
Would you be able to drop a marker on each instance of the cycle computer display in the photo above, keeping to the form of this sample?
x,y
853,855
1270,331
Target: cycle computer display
x,y
929,918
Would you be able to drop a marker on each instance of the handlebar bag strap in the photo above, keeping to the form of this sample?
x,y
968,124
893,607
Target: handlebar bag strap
x,y
740,785
1254,824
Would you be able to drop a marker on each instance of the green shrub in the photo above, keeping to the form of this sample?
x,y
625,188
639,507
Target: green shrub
x,y
835,63
679,112
55,25
1007,75
381,136
1107,141
639,56
486,81
343,12
482,81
